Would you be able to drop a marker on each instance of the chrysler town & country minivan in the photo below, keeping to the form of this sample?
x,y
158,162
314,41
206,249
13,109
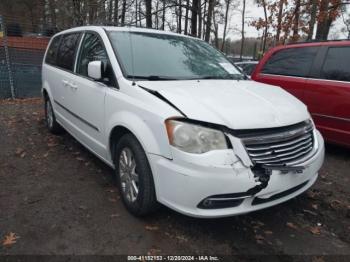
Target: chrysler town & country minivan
x,y
178,122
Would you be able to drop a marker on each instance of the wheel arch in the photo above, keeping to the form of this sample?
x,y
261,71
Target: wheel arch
x,y
148,135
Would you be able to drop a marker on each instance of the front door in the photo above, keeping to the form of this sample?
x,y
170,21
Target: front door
x,y
88,95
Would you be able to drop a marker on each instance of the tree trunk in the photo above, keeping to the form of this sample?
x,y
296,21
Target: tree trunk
x,y
122,22
312,22
148,13
157,17
77,13
110,11
209,18
216,32
203,19
179,29
163,16
140,14
200,19
279,21
136,12
116,10
225,23
322,21
186,16
266,26
296,20
243,22
194,10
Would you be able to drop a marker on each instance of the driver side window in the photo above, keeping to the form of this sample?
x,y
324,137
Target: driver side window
x,y
92,49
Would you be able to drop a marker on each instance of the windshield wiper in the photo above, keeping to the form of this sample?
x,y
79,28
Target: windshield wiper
x,y
152,77
229,77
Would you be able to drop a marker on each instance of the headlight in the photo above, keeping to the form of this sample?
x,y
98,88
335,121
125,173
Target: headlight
x,y
194,138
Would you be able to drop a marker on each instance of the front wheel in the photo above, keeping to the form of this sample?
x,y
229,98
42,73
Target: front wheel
x,y
134,176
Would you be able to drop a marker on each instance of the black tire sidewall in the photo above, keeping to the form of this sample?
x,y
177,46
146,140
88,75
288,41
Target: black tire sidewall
x,y
56,127
146,200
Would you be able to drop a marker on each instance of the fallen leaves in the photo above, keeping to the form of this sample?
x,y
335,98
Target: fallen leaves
x,y
151,228
21,101
181,238
20,152
315,230
113,200
10,239
336,204
259,239
291,225
52,144
153,252
309,212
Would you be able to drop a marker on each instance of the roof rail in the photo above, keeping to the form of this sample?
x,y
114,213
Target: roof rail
x,y
317,41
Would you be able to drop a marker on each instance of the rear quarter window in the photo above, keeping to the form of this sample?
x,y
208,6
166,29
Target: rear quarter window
x,y
52,51
291,62
337,64
67,51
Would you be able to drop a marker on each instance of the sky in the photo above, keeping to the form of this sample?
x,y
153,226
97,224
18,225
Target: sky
x,y
253,11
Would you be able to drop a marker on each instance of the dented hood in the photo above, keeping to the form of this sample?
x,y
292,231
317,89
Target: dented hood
x,y
235,104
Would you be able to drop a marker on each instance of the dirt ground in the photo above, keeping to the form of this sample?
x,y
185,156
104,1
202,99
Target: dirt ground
x,y
57,198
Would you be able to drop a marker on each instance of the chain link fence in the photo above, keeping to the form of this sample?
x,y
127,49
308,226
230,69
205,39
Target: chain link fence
x,y
21,56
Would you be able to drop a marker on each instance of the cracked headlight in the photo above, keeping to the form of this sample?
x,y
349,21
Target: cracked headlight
x,y
194,138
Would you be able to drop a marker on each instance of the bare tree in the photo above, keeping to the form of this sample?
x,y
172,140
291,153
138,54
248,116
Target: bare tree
x,y
227,7
179,28
186,16
148,13
200,18
163,16
122,22
266,25
194,17
313,12
296,20
279,20
242,31
209,20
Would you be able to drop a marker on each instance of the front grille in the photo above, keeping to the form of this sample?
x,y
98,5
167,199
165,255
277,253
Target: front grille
x,y
280,146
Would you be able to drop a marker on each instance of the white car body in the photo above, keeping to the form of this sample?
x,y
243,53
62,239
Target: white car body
x,y
90,111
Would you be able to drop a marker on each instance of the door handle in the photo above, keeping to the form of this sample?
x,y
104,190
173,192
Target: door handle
x,y
73,86
65,82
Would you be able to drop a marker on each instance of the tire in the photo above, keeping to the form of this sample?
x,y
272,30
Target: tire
x,y
50,119
134,174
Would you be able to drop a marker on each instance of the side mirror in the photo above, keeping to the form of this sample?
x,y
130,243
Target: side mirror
x,y
95,69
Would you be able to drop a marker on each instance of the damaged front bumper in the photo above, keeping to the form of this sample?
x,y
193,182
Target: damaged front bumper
x,y
219,183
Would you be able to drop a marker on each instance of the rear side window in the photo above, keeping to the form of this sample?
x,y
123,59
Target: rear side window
x,y
336,65
67,51
52,51
291,62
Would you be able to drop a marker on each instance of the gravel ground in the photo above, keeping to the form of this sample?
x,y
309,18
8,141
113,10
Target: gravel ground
x,y
57,198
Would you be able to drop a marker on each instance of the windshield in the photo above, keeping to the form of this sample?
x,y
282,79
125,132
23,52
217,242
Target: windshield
x,y
153,56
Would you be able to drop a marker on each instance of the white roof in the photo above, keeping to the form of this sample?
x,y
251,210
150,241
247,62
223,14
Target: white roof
x,y
124,29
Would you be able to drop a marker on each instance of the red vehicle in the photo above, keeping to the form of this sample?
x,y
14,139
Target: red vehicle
x,y
319,75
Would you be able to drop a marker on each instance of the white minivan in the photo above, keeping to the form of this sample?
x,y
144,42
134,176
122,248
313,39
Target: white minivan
x,y
178,122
